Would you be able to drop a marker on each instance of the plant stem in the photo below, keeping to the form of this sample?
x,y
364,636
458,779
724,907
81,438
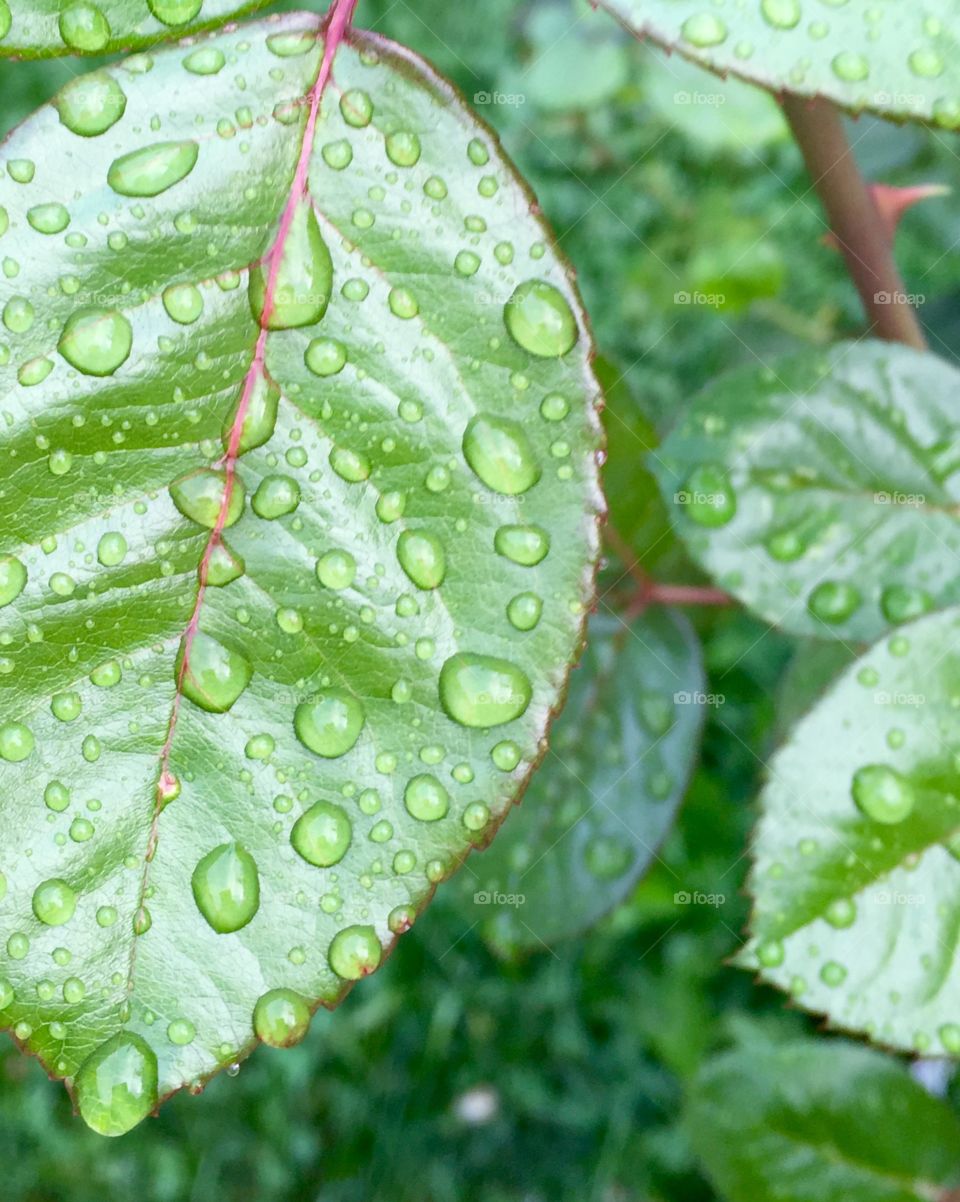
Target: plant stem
x,y
861,233
652,592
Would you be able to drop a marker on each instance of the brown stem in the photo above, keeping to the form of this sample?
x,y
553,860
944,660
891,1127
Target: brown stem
x,y
685,594
861,233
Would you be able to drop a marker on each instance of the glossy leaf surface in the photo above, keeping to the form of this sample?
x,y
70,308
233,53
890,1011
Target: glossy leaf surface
x,y
297,403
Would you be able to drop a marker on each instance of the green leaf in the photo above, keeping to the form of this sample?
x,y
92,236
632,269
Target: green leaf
x,y
820,1119
607,794
257,572
889,58
854,883
43,28
822,490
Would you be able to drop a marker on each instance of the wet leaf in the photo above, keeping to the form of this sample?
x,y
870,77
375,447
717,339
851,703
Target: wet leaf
x,y
822,490
294,414
854,882
896,60
615,771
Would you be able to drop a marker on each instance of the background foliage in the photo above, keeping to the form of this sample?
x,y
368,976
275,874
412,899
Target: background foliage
x,y
567,1074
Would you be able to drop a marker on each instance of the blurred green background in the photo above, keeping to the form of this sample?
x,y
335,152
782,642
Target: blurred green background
x,y
452,1075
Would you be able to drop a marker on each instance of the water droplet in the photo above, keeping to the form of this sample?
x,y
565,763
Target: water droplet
x,y
330,724
422,557
181,1032
183,303
927,64
259,418
174,12
336,569
539,319
466,263
281,1018
275,497
91,104
850,67
349,465
96,341
224,566
781,14
403,303
226,887
403,148
525,545
81,830
322,834
833,974
606,857
426,798
950,1038
356,108
500,454
506,755
152,169
214,677
325,356
54,902
16,742
13,579
481,691
51,218
56,796
833,601
21,171
66,707
355,952
205,60
704,29
709,496
554,407
83,27
900,603
338,155
111,549
18,315
304,279
883,794
524,610
199,495
116,1086
106,675
770,953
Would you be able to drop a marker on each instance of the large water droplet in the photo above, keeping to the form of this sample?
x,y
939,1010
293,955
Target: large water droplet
x,y
833,601
281,1018
422,557
403,148
54,902
275,497
336,569
525,545
481,691
500,454
355,952
205,60
51,218
152,169
425,798
116,1086
304,280
96,341
174,12
226,887
850,66
91,104
709,496
16,742
83,27
322,834
325,356
356,108
111,549
259,419
199,495
183,303
901,603
13,579
781,14
883,794
224,566
330,724
539,319
215,676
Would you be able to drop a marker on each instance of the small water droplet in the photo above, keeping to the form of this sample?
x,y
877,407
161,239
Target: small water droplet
x,y
422,558
539,319
355,952
322,834
330,724
281,1018
883,794
226,887
425,798
524,545
96,341
499,452
833,601
54,902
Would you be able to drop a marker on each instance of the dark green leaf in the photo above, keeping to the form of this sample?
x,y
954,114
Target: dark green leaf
x,y
898,60
829,1121
854,882
607,793
822,490
253,786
